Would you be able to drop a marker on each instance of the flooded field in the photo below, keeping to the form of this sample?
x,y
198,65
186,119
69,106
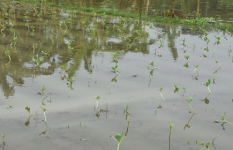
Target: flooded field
x,y
74,80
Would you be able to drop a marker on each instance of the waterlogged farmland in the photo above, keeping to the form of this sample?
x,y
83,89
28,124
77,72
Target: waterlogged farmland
x,y
83,80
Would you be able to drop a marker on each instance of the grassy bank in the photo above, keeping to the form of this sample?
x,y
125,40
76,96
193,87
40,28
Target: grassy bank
x,y
203,23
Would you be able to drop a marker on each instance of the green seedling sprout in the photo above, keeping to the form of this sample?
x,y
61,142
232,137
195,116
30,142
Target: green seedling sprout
x,y
205,146
97,101
71,79
223,119
118,138
189,101
195,69
207,84
171,125
10,107
38,60
187,57
160,91
114,68
127,113
217,63
218,40
3,139
43,90
8,53
29,110
114,55
44,110
176,89
152,65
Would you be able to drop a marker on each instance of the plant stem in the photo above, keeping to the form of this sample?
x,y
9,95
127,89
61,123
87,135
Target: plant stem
x,y
45,117
162,96
191,108
194,70
118,146
209,89
45,94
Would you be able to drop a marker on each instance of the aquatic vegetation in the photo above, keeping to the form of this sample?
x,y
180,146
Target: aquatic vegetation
x,y
189,101
184,43
8,53
217,63
44,110
118,138
114,68
187,57
28,109
223,119
207,84
205,146
171,125
127,113
97,100
71,79
114,55
176,89
37,60
3,139
43,90
152,65
196,66
10,107
218,40
160,91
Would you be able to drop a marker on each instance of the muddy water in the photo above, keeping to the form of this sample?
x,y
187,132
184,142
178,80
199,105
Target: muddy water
x,y
73,119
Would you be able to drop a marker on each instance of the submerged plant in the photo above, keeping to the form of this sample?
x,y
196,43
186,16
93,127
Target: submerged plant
x,y
118,138
44,110
207,84
160,91
29,110
217,63
187,57
189,101
223,119
195,69
8,53
43,90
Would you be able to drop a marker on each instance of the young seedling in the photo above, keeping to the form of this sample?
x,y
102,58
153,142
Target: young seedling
x,y
205,146
187,57
195,69
176,89
3,139
217,63
223,119
71,79
97,101
114,68
207,84
38,60
29,110
127,113
43,90
10,107
152,65
189,101
44,110
160,91
118,138
114,55
171,125
8,53
218,40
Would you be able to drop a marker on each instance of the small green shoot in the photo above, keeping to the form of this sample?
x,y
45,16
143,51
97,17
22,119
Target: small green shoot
x,y
71,79
195,69
217,63
114,68
160,91
3,139
97,100
29,110
44,110
171,125
223,119
8,53
205,146
114,55
38,60
43,90
189,101
207,84
218,40
10,107
187,57
152,65
176,89
118,138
